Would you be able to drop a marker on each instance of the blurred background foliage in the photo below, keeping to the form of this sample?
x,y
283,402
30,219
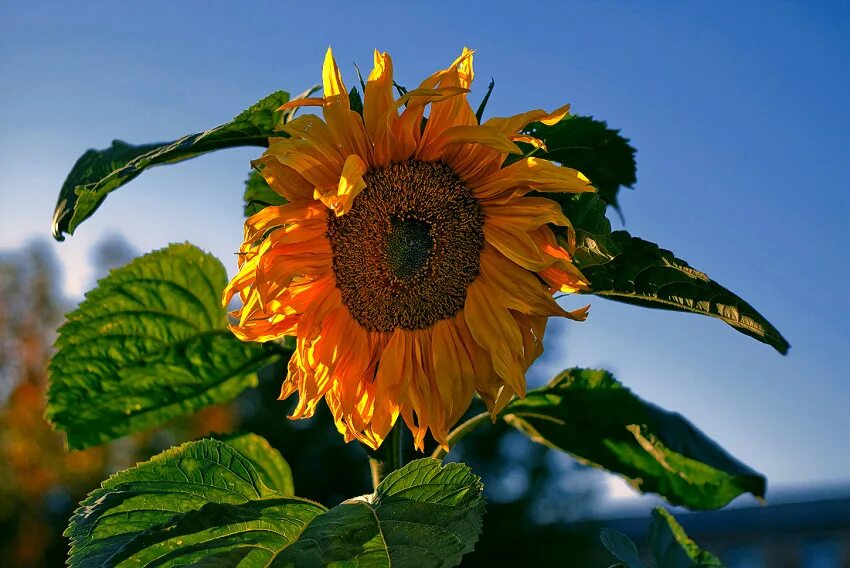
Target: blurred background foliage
x,y
534,496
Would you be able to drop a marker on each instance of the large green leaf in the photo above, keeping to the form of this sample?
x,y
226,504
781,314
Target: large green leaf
x,y
589,146
100,172
423,515
628,269
205,503
258,195
203,492
672,548
148,344
590,415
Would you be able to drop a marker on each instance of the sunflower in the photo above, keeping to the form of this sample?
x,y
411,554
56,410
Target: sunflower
x,y
409,262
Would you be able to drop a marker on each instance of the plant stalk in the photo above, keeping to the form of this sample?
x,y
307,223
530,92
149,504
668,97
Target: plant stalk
x,y
460,433
388,457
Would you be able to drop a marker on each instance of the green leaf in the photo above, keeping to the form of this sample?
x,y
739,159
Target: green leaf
x,y
206,503
258,195
672,548
589,146
629,269
423,514
622,548
200,500
100,172
270,465
590,415
148,344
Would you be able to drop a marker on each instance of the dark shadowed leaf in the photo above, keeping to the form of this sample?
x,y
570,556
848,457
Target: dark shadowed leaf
x,y
628,269
591,416
148,344
672,548
589,146
622,548
258,195
205,503
100,172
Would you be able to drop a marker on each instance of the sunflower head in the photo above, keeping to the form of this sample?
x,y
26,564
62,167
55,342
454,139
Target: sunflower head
x,y
409,261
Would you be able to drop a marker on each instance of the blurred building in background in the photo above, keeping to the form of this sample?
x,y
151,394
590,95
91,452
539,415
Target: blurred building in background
x,y
807,529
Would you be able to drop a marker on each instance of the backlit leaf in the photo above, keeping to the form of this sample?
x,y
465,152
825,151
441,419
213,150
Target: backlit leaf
x,y
590,415
672,548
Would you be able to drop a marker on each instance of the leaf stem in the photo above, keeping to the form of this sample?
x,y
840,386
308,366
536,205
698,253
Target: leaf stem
x,y
388,457
460,433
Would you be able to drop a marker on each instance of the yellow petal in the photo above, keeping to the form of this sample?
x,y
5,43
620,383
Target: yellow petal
x,y
530,140
379,96
308,101
350,185
494,329
471,134
332,78
530,174
511,125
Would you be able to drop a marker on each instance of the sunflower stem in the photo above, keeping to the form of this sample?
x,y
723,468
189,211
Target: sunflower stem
x,y
388,457
460,433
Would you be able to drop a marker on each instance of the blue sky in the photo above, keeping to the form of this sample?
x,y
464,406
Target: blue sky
x,y
739,112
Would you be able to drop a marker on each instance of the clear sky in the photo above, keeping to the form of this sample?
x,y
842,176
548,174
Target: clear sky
x,y
739,112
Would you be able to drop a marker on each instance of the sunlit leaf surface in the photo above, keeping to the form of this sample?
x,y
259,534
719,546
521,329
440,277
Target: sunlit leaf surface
x,y
149,343
590,415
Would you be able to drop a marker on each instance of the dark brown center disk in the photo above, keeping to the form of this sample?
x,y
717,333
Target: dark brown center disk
x,y
408,248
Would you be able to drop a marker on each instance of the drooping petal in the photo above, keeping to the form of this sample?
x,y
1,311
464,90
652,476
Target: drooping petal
x,y
516,288
453,369
512,125
494,329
